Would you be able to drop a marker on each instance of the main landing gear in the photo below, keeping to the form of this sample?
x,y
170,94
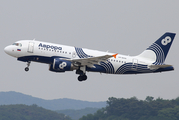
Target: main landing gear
x,y
82,72
28,64
82,78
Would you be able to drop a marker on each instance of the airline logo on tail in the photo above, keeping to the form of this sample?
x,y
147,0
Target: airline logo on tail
x,y
161,47
166,40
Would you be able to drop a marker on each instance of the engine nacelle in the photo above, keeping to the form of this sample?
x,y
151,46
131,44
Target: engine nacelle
x,y
60,65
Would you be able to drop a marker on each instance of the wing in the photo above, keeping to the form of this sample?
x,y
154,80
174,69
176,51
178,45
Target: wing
x,y
90,61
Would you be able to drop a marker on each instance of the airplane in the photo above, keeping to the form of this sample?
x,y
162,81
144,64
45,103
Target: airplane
x,y
62,58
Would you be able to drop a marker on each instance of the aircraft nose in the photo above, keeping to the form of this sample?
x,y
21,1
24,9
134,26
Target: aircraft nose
x,y
8,50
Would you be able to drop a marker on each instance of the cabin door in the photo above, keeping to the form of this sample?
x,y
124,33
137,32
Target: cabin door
x,y
31,47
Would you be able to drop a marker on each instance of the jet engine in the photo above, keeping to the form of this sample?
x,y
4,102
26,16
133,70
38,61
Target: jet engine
x,y
60,65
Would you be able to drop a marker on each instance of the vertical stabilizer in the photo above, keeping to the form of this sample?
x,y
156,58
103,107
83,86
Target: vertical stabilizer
x,y
158,51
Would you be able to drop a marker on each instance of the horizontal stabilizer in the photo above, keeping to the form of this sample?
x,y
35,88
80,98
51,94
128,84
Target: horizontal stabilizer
x,y
158,66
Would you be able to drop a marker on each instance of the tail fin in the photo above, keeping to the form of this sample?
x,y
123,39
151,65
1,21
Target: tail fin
x,y
158,51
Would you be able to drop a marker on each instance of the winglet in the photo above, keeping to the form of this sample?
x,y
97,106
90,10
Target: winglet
x,y
115,55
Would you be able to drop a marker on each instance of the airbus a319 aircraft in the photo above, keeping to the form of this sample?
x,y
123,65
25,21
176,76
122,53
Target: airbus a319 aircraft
x,y
62,58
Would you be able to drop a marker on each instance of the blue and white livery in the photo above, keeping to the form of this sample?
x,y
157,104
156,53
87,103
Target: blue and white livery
x,y
63,58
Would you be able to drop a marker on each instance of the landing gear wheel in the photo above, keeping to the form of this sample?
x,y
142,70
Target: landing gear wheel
x,y
26,69
82,78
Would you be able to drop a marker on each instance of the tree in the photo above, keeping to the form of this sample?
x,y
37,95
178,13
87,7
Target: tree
x,y
172,113
134,109
149,99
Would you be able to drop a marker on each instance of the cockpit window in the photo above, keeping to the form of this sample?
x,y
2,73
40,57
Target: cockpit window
x,y
17,44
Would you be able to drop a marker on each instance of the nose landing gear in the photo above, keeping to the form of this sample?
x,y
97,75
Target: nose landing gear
x,y
28,64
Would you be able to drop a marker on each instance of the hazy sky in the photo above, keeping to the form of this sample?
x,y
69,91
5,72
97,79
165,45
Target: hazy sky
x,y
119,26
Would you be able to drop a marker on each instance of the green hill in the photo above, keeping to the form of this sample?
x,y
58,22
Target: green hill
x,y
8,98
33,112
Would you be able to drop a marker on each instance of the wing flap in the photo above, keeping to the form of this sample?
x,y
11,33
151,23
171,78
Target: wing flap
x,y
90,61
